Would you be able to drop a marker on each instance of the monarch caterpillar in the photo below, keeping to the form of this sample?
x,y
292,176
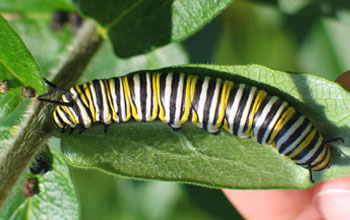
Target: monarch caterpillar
x,y
210,103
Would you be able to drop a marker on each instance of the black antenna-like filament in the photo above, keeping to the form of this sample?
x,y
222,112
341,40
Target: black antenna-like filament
x,y
56,88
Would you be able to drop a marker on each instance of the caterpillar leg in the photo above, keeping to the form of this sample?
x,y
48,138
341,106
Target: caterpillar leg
x,y
62,130
71,130
216,133
310,173
175,128
105,128
82,129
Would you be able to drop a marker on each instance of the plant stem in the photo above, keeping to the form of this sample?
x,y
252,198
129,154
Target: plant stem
x,y
38,125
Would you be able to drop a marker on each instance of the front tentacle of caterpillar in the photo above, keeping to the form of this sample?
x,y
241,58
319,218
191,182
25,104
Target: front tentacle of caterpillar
x,y
209,103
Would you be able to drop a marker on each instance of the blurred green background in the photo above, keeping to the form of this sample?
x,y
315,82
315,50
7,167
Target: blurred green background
x,y
296,36
291,35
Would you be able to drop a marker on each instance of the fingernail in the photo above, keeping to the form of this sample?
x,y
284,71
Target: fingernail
x,y
334,203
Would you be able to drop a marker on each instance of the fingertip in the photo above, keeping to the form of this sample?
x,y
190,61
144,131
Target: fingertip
x,y
333,199
270,204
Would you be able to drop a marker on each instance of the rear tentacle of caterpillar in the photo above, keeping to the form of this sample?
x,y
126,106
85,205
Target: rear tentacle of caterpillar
x,y
209,103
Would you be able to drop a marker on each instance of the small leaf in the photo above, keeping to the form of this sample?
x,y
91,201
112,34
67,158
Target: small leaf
x,y
56,198
139,26
192,155
35,5
17,60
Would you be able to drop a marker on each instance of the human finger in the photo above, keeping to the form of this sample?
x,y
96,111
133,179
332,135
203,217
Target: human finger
x,y
274,204
332,199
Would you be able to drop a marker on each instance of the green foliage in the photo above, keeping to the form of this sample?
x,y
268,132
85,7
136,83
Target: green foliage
x,y
26,6
35,32
333,56
250,35
204,197
150,24
118,198
16,61
287,35
16,66
47,56
56,198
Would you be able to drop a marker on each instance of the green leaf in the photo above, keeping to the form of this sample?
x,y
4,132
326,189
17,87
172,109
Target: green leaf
x,y
139,26
17,60
35,5
154,151
56,198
